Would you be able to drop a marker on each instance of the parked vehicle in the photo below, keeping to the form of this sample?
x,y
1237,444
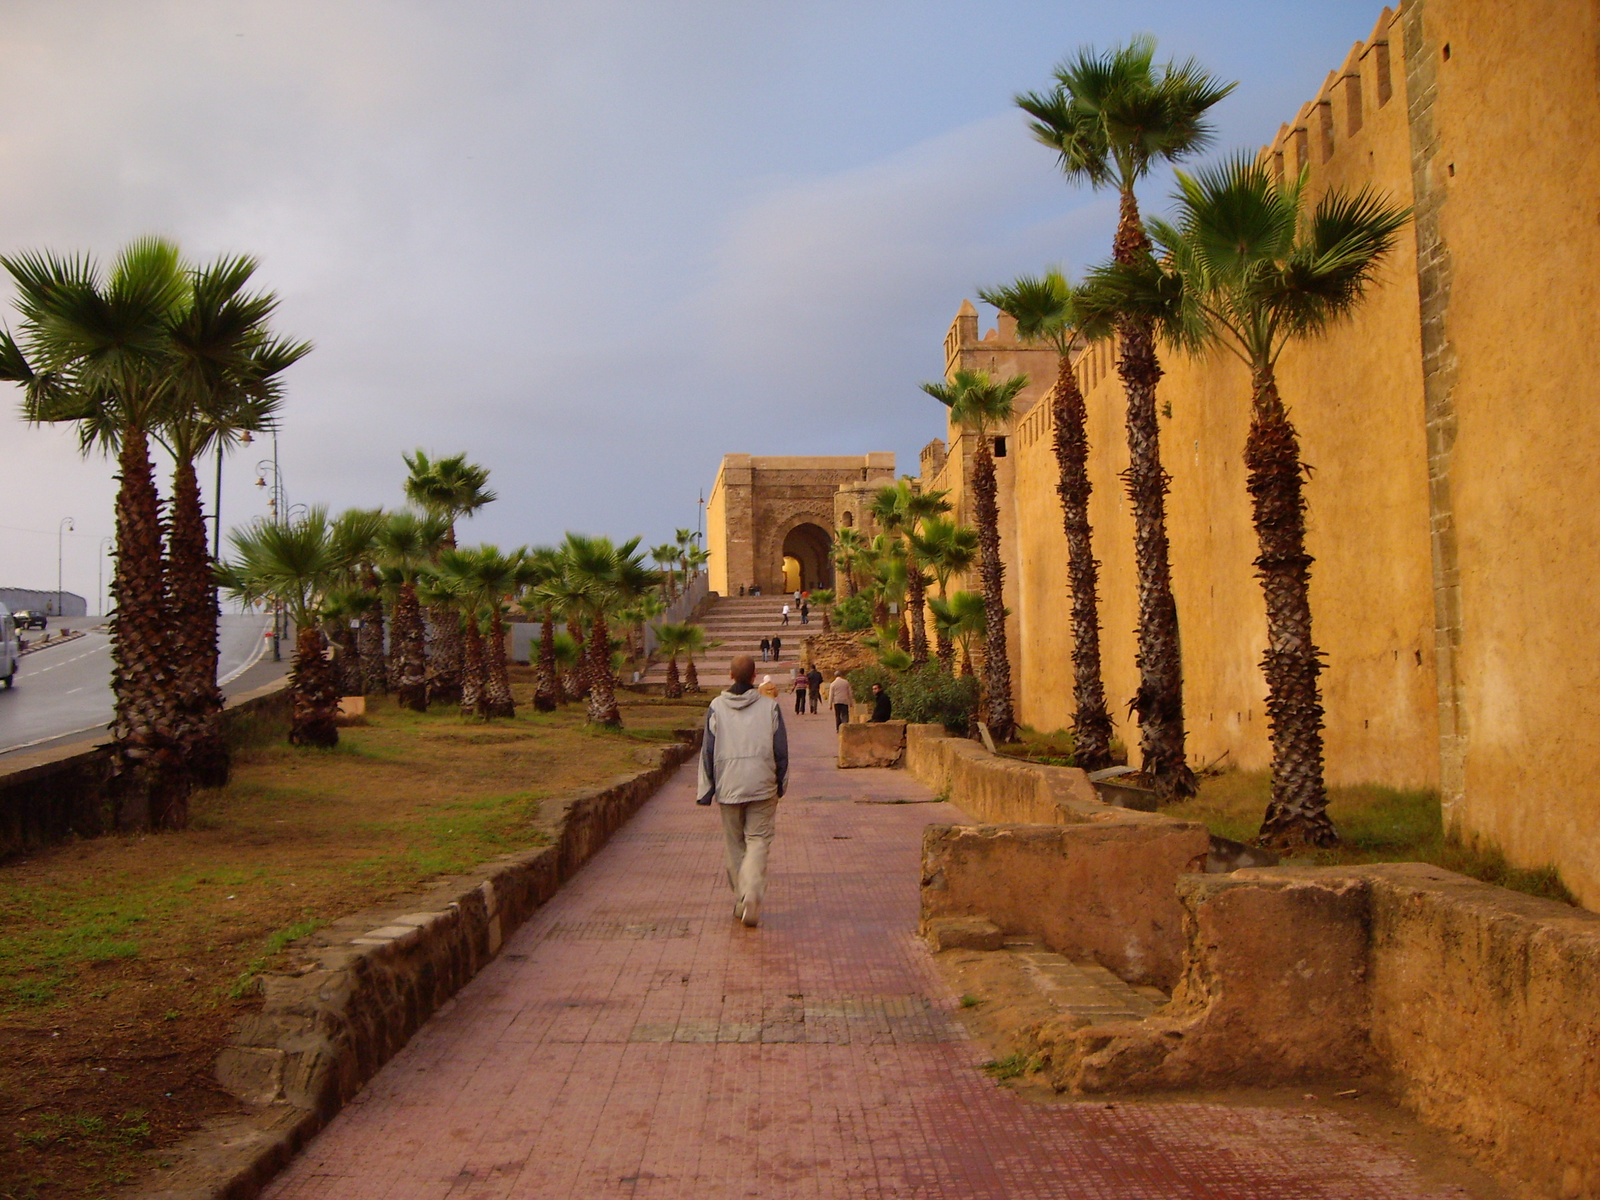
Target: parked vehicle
x,y
8,647
30,618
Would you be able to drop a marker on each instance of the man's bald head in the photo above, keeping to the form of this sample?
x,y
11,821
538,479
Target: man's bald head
x,y
743,669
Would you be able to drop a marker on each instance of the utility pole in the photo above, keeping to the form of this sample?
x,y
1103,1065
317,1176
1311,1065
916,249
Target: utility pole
x,y
61,530
100,574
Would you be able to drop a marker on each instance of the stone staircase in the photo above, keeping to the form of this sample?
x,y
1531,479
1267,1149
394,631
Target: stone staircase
x,y
739,623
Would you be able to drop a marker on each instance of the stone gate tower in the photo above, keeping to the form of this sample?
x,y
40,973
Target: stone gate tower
x,y
770,520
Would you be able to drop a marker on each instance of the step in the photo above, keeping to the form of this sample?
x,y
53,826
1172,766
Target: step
x,y
1083,988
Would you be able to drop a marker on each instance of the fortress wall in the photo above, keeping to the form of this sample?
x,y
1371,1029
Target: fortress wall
x,y
1512,293
1453,439
1368,518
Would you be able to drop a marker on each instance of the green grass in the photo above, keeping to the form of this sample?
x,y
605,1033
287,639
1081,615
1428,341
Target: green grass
x,y
1376,824
970,1001
1012,1066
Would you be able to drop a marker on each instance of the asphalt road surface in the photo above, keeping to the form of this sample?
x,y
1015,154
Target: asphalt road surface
x,y
63,692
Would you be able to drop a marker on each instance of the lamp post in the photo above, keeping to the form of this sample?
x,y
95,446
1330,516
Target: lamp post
x,y
61,531
100,574
277,504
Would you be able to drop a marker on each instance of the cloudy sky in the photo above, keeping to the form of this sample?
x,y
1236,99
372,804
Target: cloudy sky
x,y
594,245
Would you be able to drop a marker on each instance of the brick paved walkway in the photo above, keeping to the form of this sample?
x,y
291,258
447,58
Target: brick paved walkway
x,y
633,1041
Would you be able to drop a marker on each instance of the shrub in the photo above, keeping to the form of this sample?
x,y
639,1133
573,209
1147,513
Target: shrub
x,y
853,614
930,695
862,679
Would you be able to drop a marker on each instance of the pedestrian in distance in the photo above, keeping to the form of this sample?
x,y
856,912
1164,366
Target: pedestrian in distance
x,y
880,703
805,612
768,688
839,695
766,648
797,597
744,767
785,614
801,688
814,687
777,648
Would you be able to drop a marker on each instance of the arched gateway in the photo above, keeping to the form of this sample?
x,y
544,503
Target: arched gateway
x,y
770,521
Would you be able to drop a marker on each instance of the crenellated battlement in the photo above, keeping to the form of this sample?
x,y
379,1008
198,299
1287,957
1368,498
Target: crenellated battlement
x,y
1348,100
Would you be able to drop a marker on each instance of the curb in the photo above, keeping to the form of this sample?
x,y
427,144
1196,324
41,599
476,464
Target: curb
x,y
35,647
365,984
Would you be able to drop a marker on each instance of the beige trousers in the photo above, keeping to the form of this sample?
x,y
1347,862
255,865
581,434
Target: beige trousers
x,y
747,830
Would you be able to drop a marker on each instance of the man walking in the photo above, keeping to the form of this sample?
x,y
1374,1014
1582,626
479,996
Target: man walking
x,y
777,648
805,612
766,648
785,614
744,766
839,696
814,685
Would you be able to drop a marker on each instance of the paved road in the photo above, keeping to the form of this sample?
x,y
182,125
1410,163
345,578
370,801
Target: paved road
x,y
634,1041
66,690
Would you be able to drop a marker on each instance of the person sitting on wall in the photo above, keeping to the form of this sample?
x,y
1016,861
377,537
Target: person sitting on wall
x,y
880,703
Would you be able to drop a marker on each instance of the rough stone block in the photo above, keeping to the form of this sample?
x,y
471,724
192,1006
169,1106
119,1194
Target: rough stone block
x,y
872,745
963,933
252,1073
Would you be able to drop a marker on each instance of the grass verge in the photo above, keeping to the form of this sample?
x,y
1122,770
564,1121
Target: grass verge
x,y
125,961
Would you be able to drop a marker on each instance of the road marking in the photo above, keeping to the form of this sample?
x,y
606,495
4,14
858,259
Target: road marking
x,y
261,648
54,737
69,661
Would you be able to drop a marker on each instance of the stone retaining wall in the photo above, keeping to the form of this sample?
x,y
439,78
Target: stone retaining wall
x,y
48,796
366,983
998,789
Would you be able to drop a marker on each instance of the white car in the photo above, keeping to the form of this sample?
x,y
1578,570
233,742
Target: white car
x,y
8,647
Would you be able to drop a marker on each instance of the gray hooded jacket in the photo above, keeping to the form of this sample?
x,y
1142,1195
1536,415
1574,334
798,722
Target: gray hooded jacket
x,y
745,755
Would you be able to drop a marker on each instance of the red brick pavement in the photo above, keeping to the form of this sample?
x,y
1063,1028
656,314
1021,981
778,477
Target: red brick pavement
x,y
634,1041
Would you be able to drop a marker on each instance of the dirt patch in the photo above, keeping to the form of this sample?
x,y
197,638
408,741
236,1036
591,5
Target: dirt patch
x,y
126,961
1002,1009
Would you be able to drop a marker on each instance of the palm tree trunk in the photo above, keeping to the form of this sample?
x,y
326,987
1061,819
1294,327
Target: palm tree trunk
x,y
1159,702
374,680
152,783
1091,723
916,601
1297,815
673,688
412,690
880,611
472,703
996,709
192,635
497,674
580,687
944,649
603,708
547,683
444,664
850,579
966,659
346,660
313,698
691,678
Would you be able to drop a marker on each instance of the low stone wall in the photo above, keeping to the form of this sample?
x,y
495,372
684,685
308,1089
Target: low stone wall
x,y
1100,890
367,983
48,796
876,744
1474,1005
998,789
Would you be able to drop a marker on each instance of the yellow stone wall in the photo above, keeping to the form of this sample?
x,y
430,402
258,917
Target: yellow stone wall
x,y
1453,434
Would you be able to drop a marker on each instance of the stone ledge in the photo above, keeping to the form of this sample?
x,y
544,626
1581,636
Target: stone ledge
x,y
364,985
871,745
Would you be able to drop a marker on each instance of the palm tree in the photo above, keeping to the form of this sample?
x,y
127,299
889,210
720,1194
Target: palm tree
x,y
295,565
947,549
357,532
614,576
448,489
670,640
343,606
223,380
407,544
567,654
1244,267
977,402
963,616
918,507
1111,118
543,566
1043,307
848,548
98,352
484,578
888,583
666,556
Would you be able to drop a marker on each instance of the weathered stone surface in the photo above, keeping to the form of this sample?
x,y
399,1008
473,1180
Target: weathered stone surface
x,y
872,745
1097,890
962,933
321,1034
994,788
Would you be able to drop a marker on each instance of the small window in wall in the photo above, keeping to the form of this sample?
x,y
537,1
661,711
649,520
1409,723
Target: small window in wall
x,y
1000,447
849,518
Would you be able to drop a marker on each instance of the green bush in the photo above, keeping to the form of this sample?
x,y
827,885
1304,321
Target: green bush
x,y
853,614
862,679
929,695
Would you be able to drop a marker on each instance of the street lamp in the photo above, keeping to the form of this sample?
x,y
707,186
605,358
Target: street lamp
x,y
61,531
100,574
277,504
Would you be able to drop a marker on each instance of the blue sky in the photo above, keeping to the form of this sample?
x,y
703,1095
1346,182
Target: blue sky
x,y
596,246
